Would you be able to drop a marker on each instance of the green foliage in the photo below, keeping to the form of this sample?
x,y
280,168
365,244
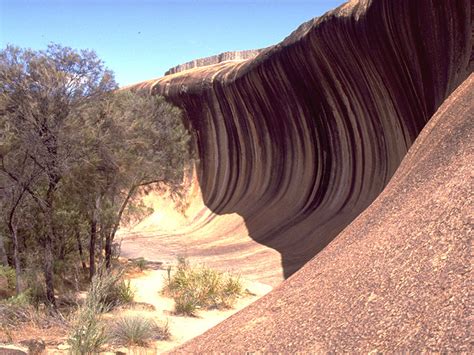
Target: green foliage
x,y
43,99
137,330
7,281
87,334
107,290
35,289
140,263
33,292
186,302
74,153
121,293
21,300
231,288
194,287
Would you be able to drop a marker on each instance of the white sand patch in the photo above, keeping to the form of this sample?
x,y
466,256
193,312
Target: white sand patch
x,y
148,288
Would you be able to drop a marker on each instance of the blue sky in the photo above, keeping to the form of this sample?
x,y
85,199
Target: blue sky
x,y
141,39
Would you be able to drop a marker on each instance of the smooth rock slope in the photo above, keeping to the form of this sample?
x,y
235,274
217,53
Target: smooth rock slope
x,y
399,278
302,138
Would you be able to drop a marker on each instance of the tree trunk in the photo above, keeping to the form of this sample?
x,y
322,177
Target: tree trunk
x,y
3,253
48,248
62,250
92,242
48,270
110,236
108,250
16,256
93,238
79,248
100,258
13,232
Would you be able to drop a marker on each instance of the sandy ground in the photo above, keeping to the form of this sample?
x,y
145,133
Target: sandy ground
x,y
148,288
159,239
151,303
221,242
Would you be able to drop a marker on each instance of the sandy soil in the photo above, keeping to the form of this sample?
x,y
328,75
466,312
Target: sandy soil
x,y
149,302
148,288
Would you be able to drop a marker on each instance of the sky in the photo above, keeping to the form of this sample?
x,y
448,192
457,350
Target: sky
x,y
141,39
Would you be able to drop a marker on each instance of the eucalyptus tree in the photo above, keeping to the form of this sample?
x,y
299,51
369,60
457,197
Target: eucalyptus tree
x,y
138,140
79,150
42,97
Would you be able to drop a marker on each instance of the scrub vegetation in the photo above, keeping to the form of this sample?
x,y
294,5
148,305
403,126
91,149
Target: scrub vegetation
x,y
195,287
76,153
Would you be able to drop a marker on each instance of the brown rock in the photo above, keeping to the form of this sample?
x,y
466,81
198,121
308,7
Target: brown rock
x,y
397,279
35,346
11,351
222,57
302,138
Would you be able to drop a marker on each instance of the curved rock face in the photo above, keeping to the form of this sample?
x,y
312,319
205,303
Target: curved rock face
x,y
302,138
222,57
397,279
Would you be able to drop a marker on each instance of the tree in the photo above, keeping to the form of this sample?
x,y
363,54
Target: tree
x,y
75,151
42,95
137,140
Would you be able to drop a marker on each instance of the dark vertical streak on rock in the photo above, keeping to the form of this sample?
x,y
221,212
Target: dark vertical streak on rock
x,y
302,138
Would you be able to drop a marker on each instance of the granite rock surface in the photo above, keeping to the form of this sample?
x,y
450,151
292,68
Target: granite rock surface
x,y
300,139
397,279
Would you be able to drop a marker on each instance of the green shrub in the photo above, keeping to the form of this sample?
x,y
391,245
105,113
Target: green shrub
x,y
87,333
121,293
140,263
137,330
186,303
35,291
194,287
109,290
21,300
231,289
7,281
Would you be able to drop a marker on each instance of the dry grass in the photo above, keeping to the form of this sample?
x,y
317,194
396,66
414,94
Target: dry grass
x,y
195,287
137,330
106,291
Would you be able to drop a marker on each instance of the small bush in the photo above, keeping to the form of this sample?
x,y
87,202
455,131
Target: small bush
x,y
121,293
232,288
136,330
21,300
87,334
109,290
194,287
33,288
7,281
16,310
186,303
140,263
